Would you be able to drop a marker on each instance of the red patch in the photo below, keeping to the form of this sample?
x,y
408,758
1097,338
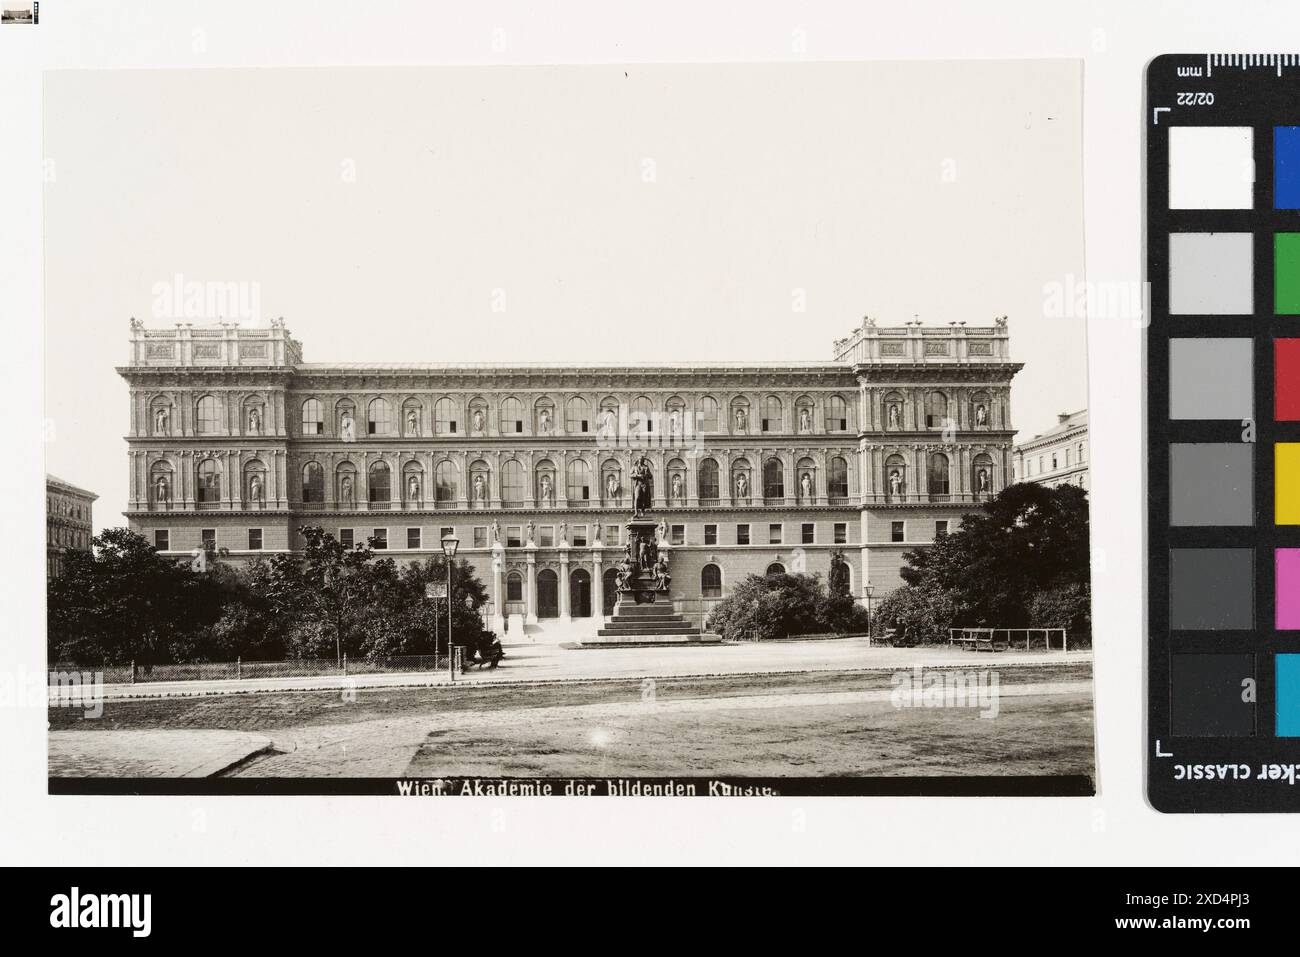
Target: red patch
x,y
1287,384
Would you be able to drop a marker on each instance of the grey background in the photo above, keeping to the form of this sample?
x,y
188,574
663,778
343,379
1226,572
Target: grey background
x,y
1211,484
1205,700
1211,379
1212,588
1210,274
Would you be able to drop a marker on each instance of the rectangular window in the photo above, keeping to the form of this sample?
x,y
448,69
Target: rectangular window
x,y
841,533
446,532
513,537
346,537
381,539
896,532
162,540
940,528
742,534
480,536
209,536
254,539
412,538
546,536
677,535
580,536
611,534
808,533
710,534
774,534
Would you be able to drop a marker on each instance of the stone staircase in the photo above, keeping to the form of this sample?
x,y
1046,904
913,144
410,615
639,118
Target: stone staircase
x,y
656,624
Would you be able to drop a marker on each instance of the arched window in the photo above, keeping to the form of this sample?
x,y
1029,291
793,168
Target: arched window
x,y
514,587
837,414
577,416
313,483
578,481
936,480
446,479
379,417
708,413
208,415
444,417
772,414
642,419
380,485
837,479
512,416
776,568
512,482
708,480
710,581
773,480
313,417
936,410
209,482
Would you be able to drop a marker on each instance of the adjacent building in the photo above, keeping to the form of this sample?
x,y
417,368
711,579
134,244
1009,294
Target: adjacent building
x,y
235,442
1057,457
68,521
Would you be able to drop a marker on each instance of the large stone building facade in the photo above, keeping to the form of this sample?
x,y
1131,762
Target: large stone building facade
x,y
1057,457
68,521
236,442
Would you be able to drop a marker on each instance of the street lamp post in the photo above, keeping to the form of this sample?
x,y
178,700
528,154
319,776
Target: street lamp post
x,y
449,551
871,590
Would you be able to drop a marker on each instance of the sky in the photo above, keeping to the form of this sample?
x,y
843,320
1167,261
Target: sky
x,y
722,212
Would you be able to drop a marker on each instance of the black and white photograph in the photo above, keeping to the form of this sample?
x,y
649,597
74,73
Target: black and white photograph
x,y
618,430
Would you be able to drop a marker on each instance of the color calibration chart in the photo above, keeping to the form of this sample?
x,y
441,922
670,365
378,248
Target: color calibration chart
x,y
1223,432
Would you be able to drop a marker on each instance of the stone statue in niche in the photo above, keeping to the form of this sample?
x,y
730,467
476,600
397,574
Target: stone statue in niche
x,y
806,485
544,487
480,488
674,422
255,420
544,421
412,422
161,416
496,532
742,485
895,482
805,420
611,485
345,489
982,480
608,422
255,489
893,415
530,532
478,421
662,530
741,418
981,415
642,486
564,533
161,491
347,427
677,486
595,535
413,489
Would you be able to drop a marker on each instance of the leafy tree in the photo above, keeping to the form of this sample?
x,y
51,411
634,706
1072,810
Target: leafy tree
x,y
1029,541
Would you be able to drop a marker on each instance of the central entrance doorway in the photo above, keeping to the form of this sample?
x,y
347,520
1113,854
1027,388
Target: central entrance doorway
x,y
580,593
548,594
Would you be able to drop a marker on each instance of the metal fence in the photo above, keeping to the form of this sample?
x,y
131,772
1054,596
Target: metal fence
x,y
997,638
240,669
